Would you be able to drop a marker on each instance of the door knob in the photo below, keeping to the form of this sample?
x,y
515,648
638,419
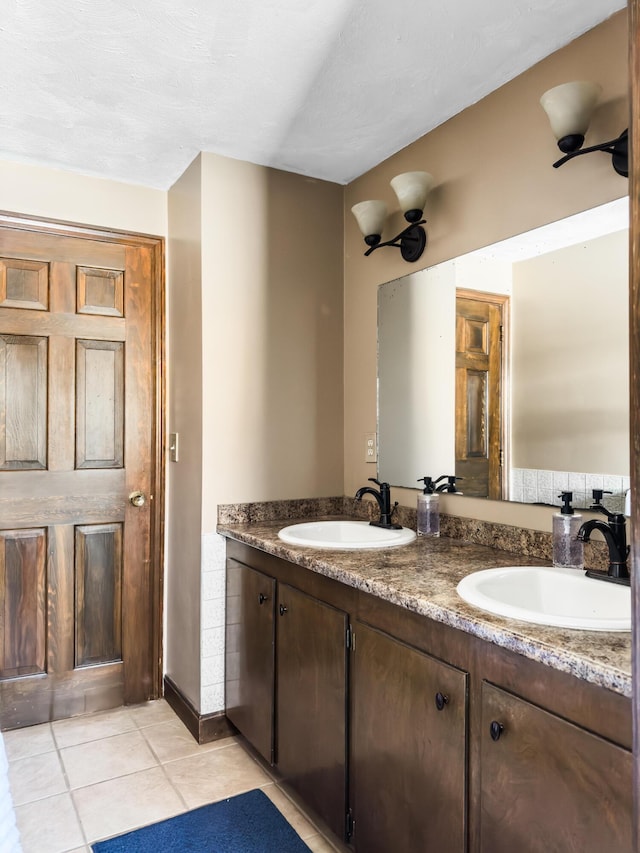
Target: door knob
x,y
137,499
262,598
282,609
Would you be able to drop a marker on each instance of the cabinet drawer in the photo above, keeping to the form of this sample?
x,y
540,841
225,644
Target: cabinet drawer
x,y
548,785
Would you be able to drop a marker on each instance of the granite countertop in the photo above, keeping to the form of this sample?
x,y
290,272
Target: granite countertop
x,y
423,576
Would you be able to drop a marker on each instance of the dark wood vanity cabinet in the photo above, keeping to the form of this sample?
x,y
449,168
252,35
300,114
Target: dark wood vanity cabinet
x,y
286,685
548,785
311,698
408,748
250,655
417,737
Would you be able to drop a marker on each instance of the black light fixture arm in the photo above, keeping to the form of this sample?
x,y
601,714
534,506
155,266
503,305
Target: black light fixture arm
x,y
618,148
411,241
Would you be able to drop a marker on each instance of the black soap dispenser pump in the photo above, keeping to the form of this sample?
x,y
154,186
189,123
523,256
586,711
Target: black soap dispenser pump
x,y
428,509
568,550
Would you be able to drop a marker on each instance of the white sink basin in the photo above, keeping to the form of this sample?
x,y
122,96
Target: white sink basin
x,y
564,598
344,534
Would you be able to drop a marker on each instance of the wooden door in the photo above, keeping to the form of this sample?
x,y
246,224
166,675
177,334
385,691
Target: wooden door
x,y
250,655
408,753
311,702
479,390
548,786
79,581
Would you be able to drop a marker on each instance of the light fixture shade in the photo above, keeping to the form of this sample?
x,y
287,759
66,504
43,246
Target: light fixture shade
x,y
570,107
370,216
412,189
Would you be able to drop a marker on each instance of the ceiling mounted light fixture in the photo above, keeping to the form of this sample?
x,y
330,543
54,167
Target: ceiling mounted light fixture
x,y
569,108
411,189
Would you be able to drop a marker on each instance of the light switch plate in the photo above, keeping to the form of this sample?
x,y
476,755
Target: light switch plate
x,y
173,446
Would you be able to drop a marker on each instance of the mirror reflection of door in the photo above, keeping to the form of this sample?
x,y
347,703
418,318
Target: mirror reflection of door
x,y
480,413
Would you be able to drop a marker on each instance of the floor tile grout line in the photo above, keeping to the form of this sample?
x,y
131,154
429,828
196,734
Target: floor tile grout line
x,y
84,841
279,784
46,796
77,812
200,749
173,788
164,773
69,791
96,739
271,780
11,758
113,778
304,814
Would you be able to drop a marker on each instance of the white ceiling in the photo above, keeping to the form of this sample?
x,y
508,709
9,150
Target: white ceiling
x,y
134,89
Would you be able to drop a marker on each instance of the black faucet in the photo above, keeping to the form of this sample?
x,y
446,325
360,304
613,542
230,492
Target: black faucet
x,y
615,534
449,486
383,497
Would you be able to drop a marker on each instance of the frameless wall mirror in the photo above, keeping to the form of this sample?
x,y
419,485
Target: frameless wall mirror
x,y
509,366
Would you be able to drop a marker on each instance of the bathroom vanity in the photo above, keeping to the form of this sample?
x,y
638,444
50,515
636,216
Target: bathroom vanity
x,y
408,720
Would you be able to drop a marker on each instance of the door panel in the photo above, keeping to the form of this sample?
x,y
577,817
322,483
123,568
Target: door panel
x,y
23,602
24,284
23,400
77,401
100,291
98,570
99,404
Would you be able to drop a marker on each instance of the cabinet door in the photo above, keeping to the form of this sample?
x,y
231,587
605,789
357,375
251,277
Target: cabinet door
x,y
311,702
249,670
549,786
408,748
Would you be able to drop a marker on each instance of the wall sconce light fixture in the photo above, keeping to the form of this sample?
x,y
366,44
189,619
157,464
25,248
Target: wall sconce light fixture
x,y
569,108
412,189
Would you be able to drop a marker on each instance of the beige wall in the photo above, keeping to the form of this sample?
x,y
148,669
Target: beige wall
x,y
494,179
67,196
255,377
570,355
184,479
272,335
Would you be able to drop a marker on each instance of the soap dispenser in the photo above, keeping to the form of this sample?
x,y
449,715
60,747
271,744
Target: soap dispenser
x,y
568,550
428,523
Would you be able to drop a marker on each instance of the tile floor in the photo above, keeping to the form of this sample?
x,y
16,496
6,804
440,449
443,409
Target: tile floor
x,y
80,780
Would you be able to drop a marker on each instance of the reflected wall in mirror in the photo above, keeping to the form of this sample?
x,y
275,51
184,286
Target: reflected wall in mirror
x,y
564,401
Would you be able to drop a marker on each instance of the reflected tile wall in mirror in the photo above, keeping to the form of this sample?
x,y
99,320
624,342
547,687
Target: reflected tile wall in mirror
x,y
530,485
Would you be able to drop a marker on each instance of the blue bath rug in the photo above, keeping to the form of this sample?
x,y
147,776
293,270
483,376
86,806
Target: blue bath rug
x,y
248,823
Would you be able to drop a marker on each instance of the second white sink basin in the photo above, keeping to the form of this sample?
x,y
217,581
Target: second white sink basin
x,y
564,598
344,534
